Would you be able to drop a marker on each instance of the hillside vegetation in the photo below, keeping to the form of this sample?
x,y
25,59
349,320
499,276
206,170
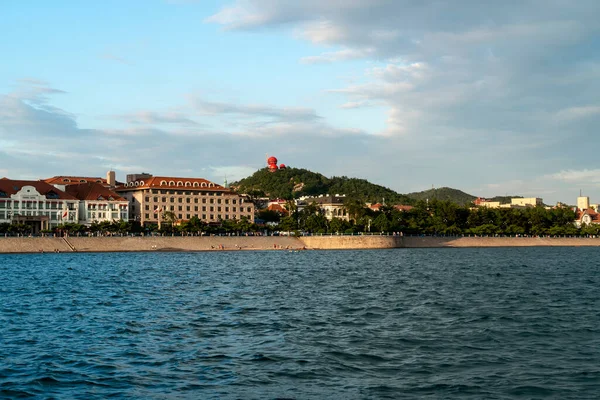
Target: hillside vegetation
x,y
445,193
297,182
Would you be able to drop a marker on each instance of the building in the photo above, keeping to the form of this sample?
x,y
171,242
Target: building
x,y
110,180
586,217
526,202
515,202
97,203
151,197
37,204
332,206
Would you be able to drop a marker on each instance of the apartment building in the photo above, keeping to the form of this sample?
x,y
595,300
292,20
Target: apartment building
x,y
151,196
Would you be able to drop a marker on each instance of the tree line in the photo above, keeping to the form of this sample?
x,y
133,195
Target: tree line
x,y
434,217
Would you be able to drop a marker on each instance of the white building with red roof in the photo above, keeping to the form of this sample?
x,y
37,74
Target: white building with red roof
x,y
37,204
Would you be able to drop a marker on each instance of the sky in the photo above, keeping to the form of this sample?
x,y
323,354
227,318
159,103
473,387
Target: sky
x,y
493,98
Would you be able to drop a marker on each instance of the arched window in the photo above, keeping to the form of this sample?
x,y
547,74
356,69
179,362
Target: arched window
x,y
163,183
203,184
137,183
141,183
179,183
98,180
66,180
196,184
211,185
172,183
82,180
188,183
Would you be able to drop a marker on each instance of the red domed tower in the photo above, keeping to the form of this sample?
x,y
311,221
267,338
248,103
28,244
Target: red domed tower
x,y
272,167
282,166
272,160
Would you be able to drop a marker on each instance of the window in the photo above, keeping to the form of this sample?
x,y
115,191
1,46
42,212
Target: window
x,y
147,199
212,201
179,216
226,201
212,216
219,209
249,209
155,199
226,209
196,201
172,199
203,201
180,200
203,216
195,208
203,208
234,209
179,183
188,184
187,208
179,208
187,200
196,184
147,208
147,216
234,201
164,200
187,216
212,208
219,201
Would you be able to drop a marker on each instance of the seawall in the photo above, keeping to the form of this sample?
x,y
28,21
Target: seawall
x,y
235,243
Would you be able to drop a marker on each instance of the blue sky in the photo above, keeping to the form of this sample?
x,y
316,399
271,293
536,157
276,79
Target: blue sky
x,y
493,99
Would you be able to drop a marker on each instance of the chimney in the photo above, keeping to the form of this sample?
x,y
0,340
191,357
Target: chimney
x,y
110,178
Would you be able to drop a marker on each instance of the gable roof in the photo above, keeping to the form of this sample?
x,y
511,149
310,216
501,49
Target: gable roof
x,y
93,191
9,187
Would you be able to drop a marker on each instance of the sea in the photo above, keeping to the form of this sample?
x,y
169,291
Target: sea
x,y
486,323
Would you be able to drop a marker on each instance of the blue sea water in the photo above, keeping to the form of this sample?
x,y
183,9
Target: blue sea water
x,y
404,323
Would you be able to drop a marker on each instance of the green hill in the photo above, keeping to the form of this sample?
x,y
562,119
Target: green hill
x,y
444,193
297,182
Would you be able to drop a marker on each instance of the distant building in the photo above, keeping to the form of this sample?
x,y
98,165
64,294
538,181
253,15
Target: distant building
x,y
332,206
98,203
586,217
150,197
526,202
59,181
37,204
515,202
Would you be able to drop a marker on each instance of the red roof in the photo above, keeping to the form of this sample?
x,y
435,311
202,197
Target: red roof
x,y
75,180
93,191
278,208
170,182
593,215
9,187
401,207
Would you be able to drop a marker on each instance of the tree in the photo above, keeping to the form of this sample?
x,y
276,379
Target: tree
x,y
381,223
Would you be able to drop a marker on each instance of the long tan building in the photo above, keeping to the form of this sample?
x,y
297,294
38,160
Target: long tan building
x,y
149,197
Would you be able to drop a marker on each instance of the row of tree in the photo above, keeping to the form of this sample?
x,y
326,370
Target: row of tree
x,y
435,217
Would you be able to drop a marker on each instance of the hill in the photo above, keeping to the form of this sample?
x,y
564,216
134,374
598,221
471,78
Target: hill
x,y
297,182
444,193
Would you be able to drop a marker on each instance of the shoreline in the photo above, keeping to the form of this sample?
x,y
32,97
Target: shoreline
x,y
264,243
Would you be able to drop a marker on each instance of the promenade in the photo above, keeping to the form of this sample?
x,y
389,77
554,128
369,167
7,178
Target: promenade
x,y
241,243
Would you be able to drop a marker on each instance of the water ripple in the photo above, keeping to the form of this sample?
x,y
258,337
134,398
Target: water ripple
x,y
405,323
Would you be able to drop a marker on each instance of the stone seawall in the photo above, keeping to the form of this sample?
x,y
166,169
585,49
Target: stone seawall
x,y
215,243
